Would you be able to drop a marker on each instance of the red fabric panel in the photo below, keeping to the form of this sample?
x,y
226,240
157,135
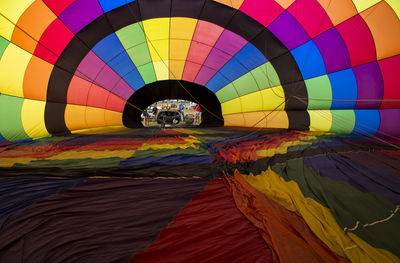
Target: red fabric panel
x,y
284,231
58,6
313,24
390,69
264,11
360,44
208,229
53,41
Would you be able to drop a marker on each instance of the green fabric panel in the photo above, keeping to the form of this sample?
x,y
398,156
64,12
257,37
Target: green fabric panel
x,y
131,35
140,54
227,93
246,84
347,204
10,118
3,45
266,76
343,121
147,73
74,163
168,152
319,88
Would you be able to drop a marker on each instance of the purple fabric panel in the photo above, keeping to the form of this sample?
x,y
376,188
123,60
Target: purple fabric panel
x,y
289,31
101,220
390,123
93,69
369,85
204,75
334,50
216,59
80,14
89,67
122,89
364,178
230,43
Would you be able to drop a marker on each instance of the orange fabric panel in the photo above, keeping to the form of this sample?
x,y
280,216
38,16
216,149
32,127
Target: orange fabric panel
x,y
339,10
113,118
176,69
284,231
95,117
36,79
234,120
78,91
75,117
384,25
285,3
33,23
232,3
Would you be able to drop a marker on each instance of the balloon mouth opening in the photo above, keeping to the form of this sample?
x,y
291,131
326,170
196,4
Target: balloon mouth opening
x,y
167,96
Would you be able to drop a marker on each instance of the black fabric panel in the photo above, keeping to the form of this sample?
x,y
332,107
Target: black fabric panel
x,y
298,120
287,69
72,55
217,13
187,8
269,45
293,90
124,15
54,118
245,26
58,85
172,89
90,35
154,8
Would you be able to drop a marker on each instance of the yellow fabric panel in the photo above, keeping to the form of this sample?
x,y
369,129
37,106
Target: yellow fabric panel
x,y
252,102
182,27
232,3
320,120
100,130
395,5
361,5
281,149
190,143
12,10
75,117
231,106
234,120
9,162
272,98
338,11
92,154
179,49
159,49
385,27
318,218
12,70
32,116
156,29
176,68
113,118
95,117
285,3
31,25
162,69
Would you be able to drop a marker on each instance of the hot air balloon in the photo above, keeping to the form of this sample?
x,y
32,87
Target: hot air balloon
x,y
296,157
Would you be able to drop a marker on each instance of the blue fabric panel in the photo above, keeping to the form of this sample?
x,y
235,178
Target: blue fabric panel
x,y
233,70
122,64
18,193
365,179
2,139
108,5
344,87
169,160
217,82
250,57
367,122
134,79
108,48
309,60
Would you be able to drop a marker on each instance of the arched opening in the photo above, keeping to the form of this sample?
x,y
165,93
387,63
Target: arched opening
x,y
172,113
169,90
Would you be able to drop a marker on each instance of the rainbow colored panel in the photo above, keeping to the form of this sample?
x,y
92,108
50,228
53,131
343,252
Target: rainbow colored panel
x,y
302,64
